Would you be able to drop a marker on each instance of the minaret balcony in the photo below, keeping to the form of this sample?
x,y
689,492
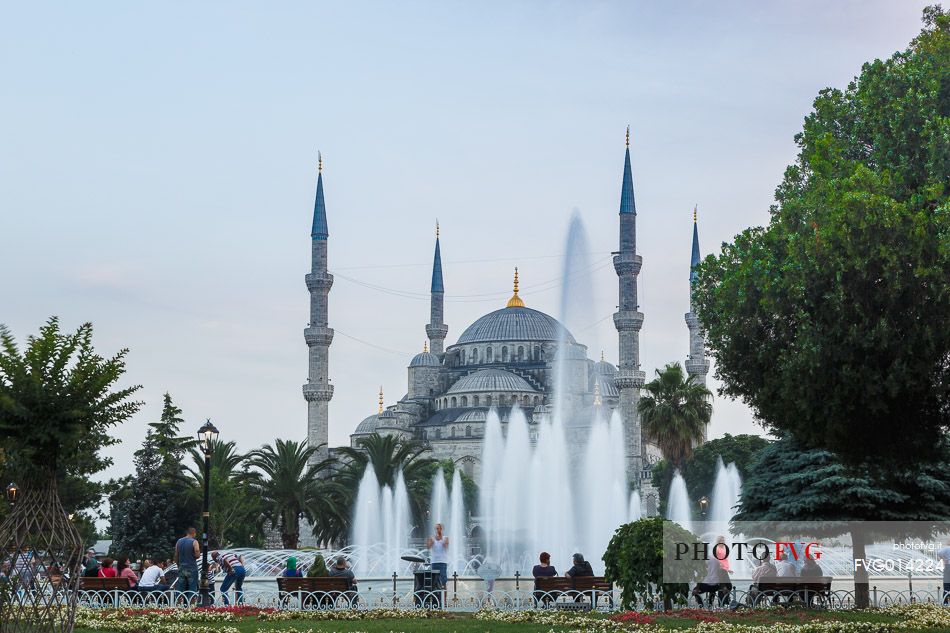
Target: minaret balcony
x,y
697,366
627,264
627,320
437,331
630,378
315,392
318,336
319,281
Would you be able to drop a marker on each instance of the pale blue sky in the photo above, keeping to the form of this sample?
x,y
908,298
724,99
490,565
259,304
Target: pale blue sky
x,y
158,171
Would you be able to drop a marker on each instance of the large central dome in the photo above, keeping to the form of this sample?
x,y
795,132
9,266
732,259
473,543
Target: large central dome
x,y
515,324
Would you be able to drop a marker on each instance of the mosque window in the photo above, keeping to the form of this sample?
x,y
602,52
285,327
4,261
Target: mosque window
x,y
438,434
474,356
468,431
454,402
504,353
520,352
453,431
474,401
425,435
488,400
526,401
537,401
488,355
464,401
537,353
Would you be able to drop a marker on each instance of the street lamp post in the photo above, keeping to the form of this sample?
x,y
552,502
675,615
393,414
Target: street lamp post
x,y
207,435
703,505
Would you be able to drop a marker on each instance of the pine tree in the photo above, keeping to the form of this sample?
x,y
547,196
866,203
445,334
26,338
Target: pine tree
x,y
171,447
142,525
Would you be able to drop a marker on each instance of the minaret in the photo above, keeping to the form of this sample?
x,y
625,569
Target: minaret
x,y
697,365
628,321
318,391
437,329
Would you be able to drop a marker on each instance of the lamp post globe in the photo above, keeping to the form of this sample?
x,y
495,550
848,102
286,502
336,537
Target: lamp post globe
x,y
13,494
207,437
703,504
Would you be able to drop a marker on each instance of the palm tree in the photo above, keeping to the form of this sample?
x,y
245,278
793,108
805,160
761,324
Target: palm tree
x,y
388,455
290,486
674,412
233,511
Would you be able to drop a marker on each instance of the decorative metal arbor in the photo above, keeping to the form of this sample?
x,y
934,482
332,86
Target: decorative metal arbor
x,y
41,557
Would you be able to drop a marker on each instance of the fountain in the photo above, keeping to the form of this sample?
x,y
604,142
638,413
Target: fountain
x,y
678,506
380,519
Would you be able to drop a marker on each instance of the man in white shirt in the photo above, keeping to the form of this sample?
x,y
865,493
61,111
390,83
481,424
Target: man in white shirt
x,y
153,578
785,568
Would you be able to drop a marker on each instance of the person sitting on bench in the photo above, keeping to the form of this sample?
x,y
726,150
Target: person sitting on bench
x,y
544,570
581,567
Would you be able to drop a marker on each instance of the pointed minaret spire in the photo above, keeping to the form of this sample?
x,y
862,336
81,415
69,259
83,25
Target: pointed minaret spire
x,y
515,301
436,329
627,202
694,258
628,320
318,391
319,230
380,400
697,365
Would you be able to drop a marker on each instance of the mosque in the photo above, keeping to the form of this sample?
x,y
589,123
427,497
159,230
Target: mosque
x,y
505,359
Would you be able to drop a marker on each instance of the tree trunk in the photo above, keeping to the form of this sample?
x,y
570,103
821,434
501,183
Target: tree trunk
x,y
45,551
862,594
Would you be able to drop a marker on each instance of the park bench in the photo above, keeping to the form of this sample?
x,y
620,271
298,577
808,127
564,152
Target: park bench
x,y
320,592
104,584
810,590
548,588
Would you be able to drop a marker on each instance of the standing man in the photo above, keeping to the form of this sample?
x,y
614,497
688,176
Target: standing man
x,y
234,572
187,553
438,554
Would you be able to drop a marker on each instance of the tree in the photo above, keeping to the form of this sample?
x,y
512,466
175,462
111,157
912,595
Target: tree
x,y
290,487
236,516
831,322
171,447
788,482
58,402
142,524
699,470
635,558
674,411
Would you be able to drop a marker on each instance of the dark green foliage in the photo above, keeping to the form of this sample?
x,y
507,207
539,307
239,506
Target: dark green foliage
x,y
699,471
674,411
469,487
237,514
634,560
289,487
831,323
788,483
58,404
142,524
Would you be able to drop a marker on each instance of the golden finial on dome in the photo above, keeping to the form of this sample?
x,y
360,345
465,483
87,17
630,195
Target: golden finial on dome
x,y
425,347
628,136
695,206
319,163
380,399
515,301
437,228
601,355
597,401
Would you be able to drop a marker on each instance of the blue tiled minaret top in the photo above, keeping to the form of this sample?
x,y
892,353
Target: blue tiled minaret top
x,y
627,203
694,259
320,230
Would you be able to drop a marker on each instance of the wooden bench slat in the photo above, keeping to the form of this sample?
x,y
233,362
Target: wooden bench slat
x,y
95,584
313,584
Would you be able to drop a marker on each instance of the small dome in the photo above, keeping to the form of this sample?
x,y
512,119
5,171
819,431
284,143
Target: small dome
x,y
425,359
515,324
367,426
491,380
604,368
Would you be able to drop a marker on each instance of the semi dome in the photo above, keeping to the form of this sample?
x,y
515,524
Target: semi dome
x,y
425,359
515,324
491,380
368,425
